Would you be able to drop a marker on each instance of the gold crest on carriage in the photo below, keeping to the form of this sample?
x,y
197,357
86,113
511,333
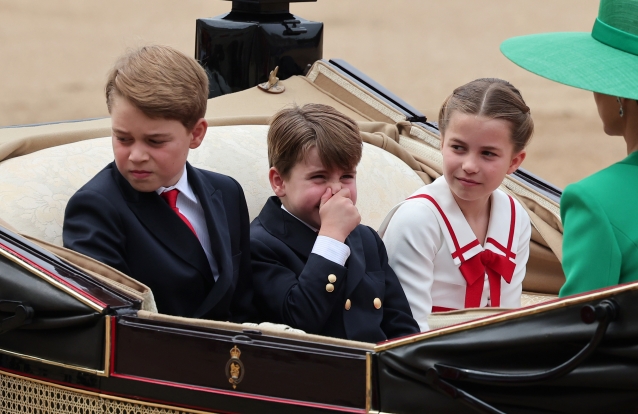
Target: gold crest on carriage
x,y
234,367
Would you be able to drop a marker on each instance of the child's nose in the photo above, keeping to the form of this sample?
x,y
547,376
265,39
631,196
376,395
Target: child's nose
x,y
137,154
470,165
335,186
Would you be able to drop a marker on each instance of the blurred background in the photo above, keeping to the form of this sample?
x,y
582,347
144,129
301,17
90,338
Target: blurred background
x,y
54,57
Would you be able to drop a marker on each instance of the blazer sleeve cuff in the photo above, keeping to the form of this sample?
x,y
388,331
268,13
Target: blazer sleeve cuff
x,y
331,249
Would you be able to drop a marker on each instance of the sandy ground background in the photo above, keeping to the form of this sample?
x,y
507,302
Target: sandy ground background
x,y
54,56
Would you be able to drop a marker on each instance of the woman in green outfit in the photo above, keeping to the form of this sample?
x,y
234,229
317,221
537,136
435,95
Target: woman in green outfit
x,y
600,212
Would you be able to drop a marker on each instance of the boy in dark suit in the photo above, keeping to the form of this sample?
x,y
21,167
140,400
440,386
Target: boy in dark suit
x,y
182,231
314,267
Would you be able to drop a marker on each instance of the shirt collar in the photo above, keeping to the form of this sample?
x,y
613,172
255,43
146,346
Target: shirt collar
x,y
307,225
182,186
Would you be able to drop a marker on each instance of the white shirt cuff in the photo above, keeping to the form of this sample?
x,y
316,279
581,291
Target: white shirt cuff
x,y
331,249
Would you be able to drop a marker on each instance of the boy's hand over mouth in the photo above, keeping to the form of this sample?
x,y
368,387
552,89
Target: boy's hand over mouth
x,y
339,216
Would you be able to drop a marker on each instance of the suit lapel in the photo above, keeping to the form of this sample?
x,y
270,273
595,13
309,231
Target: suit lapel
x,y
165,225
301,239
356,261
220,241
287,228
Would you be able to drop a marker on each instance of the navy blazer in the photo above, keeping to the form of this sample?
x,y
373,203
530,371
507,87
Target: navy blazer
x,y
138,234
290,282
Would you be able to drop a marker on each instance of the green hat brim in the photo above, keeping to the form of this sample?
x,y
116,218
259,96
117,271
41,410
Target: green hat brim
x,y
576,59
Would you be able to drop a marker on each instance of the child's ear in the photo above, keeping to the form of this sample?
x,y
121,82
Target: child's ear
x,y
198,133
277,182
516,162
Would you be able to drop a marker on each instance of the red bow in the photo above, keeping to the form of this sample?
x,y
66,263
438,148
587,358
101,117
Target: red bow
x,y
474,270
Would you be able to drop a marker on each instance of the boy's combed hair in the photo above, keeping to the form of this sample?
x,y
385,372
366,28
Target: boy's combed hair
x,y
295,130
162,82
491,98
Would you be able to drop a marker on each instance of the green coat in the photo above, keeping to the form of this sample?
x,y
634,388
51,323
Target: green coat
x,y
600,218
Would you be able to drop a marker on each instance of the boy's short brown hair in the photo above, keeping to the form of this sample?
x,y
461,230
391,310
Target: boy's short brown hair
x,y
162,82
295,130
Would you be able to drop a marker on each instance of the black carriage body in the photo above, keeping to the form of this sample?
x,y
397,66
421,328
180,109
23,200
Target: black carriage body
x,y
87,337
84,335
192,366
521,361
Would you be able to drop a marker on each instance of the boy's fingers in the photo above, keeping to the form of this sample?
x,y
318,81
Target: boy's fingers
x,y
325,197
344,192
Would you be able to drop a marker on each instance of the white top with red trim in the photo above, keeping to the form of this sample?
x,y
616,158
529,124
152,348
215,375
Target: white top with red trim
x,y
439,261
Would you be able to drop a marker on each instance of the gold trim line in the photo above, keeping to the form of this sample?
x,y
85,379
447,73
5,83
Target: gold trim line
x,y
51,280
57,364
369,383
536,309
107,346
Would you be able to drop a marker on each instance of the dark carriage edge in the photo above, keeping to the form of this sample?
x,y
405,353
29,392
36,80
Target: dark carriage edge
x,y
85,335
116,353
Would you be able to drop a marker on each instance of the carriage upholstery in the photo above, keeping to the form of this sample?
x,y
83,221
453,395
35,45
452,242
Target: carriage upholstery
x,y
35,188
42,166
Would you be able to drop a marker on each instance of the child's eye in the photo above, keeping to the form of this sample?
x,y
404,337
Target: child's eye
x,y
123,140
156,141
317,177
489,154
457,147
348,177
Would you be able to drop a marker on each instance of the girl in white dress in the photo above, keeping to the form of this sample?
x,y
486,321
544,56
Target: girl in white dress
x,y
460,242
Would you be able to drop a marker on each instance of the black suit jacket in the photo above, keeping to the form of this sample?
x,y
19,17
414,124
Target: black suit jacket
x,y
290,282
138,234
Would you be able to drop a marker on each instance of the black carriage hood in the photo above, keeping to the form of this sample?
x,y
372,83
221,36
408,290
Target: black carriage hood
x,y
32,274
578,354
50,309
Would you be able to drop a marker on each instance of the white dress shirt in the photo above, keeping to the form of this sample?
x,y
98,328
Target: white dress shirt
x,y
327,247
189,205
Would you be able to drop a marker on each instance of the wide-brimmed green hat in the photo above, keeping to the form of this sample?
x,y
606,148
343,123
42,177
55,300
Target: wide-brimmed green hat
x,y
604,61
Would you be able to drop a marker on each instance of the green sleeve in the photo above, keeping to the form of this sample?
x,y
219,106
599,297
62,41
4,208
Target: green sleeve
x,y
591,256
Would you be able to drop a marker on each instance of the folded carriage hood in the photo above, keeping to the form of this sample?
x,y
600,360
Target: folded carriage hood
x,y
512,361
46,301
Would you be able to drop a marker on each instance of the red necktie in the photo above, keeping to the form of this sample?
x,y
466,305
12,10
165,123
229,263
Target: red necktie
x,y
170,197
474,270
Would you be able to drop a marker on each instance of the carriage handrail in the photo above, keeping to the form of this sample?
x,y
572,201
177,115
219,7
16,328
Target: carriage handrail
x,y
605,312
21,314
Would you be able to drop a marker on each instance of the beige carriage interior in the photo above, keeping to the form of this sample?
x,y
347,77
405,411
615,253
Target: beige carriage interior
x,y
43,166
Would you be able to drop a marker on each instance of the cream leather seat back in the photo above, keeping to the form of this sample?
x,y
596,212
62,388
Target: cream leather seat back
x,y
35,188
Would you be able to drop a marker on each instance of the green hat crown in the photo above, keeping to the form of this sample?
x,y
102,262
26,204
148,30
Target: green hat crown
x,y
623,15
617,25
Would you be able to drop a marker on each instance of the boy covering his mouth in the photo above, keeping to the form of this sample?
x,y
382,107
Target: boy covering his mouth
x,y
314,266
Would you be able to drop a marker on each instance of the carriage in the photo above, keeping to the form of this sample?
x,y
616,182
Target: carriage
x,y
78,336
